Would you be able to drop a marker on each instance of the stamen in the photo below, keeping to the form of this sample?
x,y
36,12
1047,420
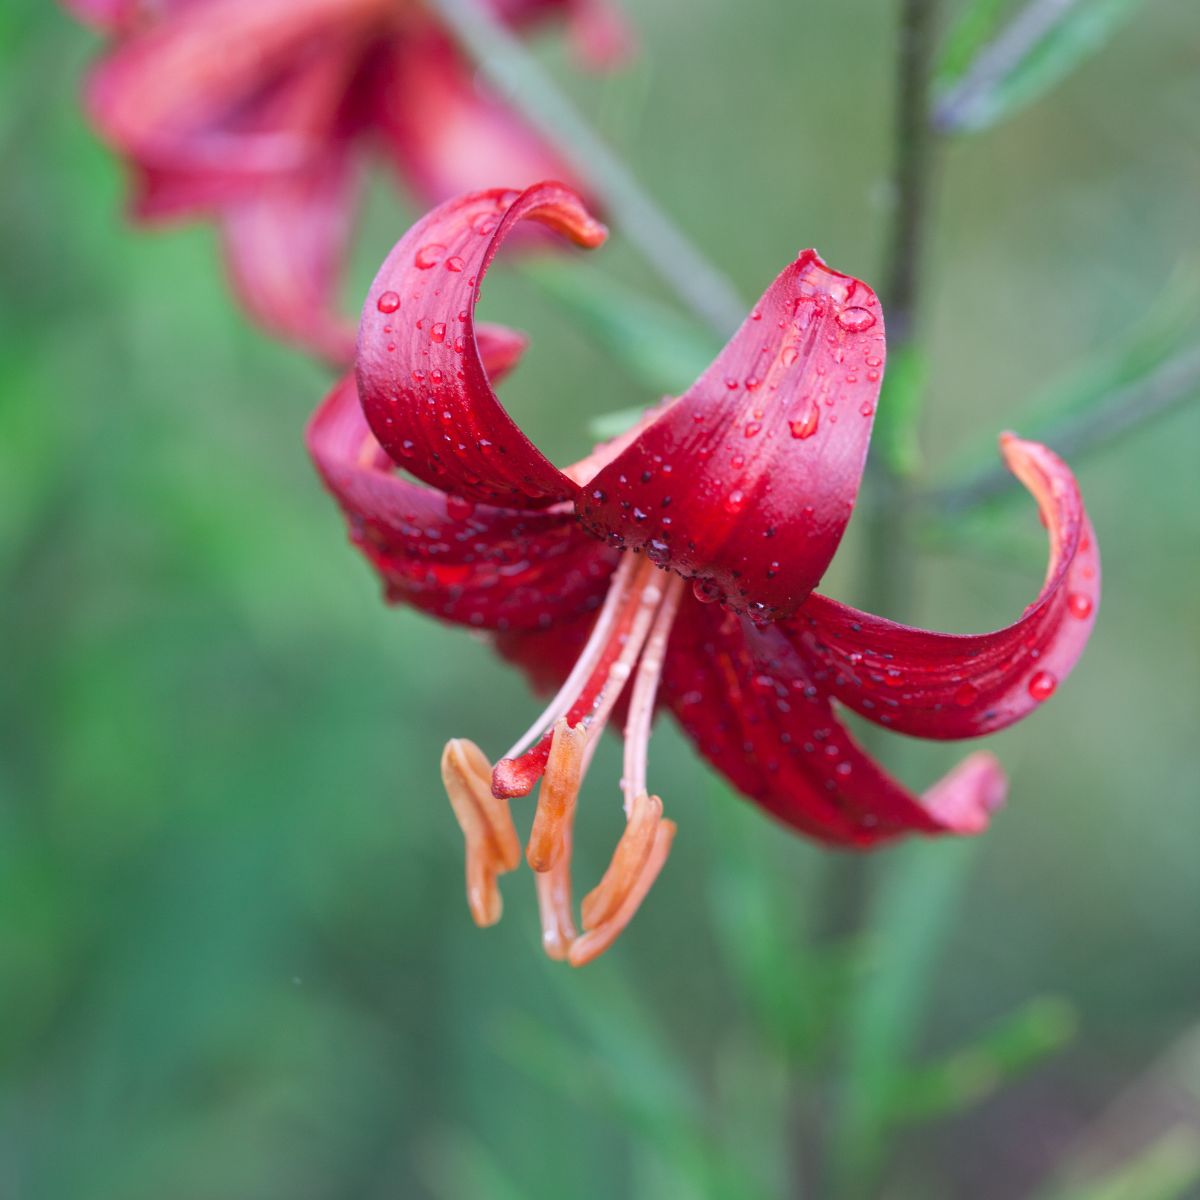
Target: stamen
x,y
556,798
628,862
618,589
645,690
593,702
492,843
554,900
593,943
631,632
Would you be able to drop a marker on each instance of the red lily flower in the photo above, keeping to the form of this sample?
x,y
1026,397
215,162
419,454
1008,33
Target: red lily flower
x,y
673,566
255,112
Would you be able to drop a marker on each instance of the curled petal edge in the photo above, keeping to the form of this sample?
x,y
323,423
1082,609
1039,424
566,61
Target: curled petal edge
x,y
947,686
423,384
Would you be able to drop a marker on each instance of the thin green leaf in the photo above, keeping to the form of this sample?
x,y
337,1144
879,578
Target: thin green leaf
x,y
1042,45
1154,368
970,1075
974,27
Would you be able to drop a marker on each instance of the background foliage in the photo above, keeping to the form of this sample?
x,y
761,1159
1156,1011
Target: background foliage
x,y
235,959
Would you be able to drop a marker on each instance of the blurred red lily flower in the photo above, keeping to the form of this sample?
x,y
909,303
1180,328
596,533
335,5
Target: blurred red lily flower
x,y
255,112
673,566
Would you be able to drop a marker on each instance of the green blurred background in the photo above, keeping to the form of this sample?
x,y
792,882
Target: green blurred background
x,y
235,957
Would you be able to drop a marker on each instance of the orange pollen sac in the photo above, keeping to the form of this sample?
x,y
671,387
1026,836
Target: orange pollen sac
x,y
628,642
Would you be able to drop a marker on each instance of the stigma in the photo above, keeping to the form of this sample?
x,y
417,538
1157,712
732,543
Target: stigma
x,y
623,654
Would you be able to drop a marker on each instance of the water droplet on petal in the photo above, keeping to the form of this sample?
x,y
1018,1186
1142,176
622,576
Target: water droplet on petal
x,y
484,223
429,256
1042,685
855,319
867,408
455,264
752,428
789,355
438,332
966,695
1079,605
735,501
705,591
388,302
805,426
459,508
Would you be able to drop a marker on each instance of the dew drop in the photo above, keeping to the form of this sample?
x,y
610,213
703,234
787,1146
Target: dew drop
x,y
429,256
752,428
735,501
867,408
388,302
789,355
459,508
1042,685
805,426
855,319
1079,605
966,695
438,332
705,591
455,264
484,223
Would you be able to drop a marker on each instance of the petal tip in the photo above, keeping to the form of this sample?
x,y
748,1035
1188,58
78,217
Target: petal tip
x,y
964,800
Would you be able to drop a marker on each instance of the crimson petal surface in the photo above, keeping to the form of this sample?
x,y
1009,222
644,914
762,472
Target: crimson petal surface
x,y
747,481
741,694
939,685
487,567
423,386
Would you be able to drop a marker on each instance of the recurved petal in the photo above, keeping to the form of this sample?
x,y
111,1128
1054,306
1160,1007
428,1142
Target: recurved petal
x,y
199,90
424,388
445,134
747,481
491,568
742,695
939,685
285,243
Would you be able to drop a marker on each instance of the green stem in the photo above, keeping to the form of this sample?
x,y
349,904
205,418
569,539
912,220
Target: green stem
x,y
699,285
883,1014
887,583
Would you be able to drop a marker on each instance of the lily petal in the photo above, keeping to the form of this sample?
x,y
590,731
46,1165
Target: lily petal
x,y
741,694
424,388
477,565
198,91
940,685
746,482
285,244
445,134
